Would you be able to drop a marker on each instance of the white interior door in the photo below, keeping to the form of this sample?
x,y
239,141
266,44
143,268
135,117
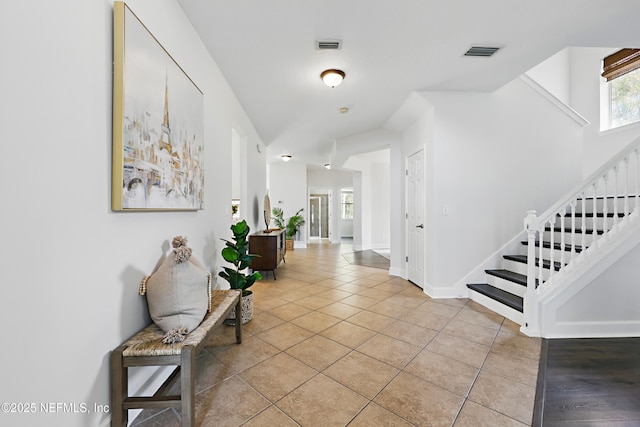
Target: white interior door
x,y
415,218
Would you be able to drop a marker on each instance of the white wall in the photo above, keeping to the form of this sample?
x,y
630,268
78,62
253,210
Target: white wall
x,y
603,300
418,135
616,286
288,190
494,156
346,229
71,266
372,195
396,212
360,219
380,206
573,76
554,75
362,143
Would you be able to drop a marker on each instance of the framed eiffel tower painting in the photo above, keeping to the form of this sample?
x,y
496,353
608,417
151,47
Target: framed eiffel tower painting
x,y
158,124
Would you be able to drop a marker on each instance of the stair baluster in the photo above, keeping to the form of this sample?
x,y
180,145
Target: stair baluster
x,y
626,187
616,170
637,152
552,221
573,230
583,243
605,203
563,213
533,260
594,235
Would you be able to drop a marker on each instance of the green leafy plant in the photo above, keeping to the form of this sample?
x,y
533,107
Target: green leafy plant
x,y
236,253
291,225
278,217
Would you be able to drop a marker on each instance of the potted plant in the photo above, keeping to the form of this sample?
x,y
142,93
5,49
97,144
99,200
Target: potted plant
x,y
236,253
291,226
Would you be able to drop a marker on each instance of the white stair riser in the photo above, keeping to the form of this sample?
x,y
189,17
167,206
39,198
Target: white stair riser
x,y
493,305
518,267
589,222
557,238
600,203
506,285
557,253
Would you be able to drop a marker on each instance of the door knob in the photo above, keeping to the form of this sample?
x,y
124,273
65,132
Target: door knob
x,y
420,226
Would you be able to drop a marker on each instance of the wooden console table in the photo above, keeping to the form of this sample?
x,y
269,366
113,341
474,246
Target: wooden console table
x,y
270,247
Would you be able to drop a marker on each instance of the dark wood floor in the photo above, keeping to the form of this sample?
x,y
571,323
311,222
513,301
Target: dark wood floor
x,y
589,382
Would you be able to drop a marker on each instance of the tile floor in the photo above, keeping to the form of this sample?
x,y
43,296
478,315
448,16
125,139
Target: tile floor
x,y
336,344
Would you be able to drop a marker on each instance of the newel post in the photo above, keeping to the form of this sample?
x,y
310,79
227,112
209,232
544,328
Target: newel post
x,y
531,319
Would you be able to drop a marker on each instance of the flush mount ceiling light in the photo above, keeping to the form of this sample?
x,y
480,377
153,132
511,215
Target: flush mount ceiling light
x,y
327,165
285,157
332,77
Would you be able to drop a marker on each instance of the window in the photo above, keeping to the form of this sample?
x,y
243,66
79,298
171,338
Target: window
x,y
621,70
624,99
346,204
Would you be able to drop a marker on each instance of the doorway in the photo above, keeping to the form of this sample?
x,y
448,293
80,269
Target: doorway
x,y
318,216
238,179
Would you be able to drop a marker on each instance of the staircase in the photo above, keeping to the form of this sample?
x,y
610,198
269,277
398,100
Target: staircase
x,y
505,288
565,241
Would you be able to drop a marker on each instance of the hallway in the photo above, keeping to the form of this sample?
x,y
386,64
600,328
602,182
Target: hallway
x,y
335,344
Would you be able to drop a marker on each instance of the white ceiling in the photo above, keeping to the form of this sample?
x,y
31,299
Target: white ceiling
x,y
390,48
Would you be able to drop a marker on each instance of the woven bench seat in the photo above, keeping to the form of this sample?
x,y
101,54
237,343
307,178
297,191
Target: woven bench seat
x,y
147,349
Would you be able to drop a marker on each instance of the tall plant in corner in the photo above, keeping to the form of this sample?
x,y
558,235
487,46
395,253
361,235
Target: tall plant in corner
x,y
291,225
236,252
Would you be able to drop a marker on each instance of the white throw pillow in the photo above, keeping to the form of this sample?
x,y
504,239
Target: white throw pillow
x,y
178,292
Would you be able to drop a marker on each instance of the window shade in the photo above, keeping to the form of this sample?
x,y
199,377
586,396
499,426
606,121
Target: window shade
x,y
620,63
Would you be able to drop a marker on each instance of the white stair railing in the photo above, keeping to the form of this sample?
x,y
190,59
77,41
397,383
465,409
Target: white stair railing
x,y
613,189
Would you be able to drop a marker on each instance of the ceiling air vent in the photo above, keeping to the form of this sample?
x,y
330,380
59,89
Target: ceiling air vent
x,y
481,51
328,44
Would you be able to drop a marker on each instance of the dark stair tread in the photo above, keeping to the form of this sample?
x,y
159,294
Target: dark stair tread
x,y
556,245
503,297
511,276
577,230
523,259
598,215
631,196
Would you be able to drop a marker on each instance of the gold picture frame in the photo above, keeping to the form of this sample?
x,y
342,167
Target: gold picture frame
x,y
158,124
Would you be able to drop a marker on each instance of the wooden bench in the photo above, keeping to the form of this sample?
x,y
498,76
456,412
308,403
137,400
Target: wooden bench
x,y
147,349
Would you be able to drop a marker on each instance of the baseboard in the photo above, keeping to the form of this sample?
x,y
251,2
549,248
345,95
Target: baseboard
x,y
399,272
613,329
440,292
298,244
380,247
